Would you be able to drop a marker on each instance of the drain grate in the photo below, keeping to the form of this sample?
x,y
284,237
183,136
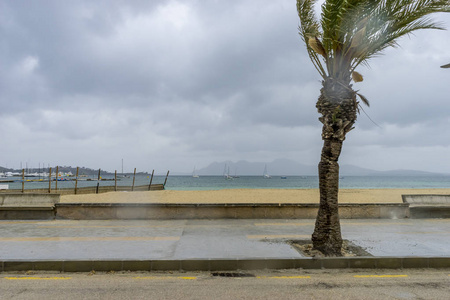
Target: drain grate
x,y
231,274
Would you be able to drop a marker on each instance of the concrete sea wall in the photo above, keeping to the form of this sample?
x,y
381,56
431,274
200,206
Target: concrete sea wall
x,y
223,211
47,206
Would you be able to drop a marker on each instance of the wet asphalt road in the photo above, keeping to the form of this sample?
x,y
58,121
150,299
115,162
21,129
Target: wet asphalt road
x,y
210,239
283,284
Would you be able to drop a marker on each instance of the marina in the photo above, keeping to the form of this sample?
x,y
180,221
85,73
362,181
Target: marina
x,y
68,183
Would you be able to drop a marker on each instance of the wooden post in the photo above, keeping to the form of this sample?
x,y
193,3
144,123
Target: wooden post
x,y
98,181
56,182
166,178
76,181
50,180
134,177
151,179
23,180
115,181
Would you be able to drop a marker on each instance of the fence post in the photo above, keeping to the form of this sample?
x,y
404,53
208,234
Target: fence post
x,y
76,181
23,180
56,182
151,179
115,181
134,177
166,178
50,180
98,181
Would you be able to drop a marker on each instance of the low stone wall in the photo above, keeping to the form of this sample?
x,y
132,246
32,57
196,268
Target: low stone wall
x,y
94,211
429,211
27,213
426,199
428,206
47,206
28,200
18,206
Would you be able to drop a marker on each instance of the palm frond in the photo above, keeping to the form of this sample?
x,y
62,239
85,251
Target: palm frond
x,y
357,77
310,28
363,99
352,32
317,46
393,19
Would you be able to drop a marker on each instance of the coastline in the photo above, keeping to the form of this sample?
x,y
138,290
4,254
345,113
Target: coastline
x,y
256,196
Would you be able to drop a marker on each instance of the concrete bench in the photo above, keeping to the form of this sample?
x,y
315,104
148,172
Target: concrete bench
x,y
428,206
15,206
28,200
427,199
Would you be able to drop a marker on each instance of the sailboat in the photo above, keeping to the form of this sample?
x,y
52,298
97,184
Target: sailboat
x,y
235,174
266,174
123,175
226,173
194,174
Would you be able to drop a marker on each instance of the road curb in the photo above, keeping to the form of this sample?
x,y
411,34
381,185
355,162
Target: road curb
x,y
226,264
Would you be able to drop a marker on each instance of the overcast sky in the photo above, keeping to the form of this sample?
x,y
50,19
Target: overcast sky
x,y
169,85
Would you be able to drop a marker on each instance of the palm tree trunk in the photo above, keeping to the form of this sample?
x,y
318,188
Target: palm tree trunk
x,y
338,106
327,233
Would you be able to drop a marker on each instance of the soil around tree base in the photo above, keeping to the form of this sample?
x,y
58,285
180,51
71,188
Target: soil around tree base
x,y
305,248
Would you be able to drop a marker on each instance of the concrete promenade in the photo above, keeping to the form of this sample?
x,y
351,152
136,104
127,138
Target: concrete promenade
x,y
219,244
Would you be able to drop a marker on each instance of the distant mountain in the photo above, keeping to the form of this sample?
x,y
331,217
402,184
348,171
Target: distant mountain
x,y
350,170
287,167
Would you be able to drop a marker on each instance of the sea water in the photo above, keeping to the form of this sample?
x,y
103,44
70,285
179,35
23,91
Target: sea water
x,y
247,182
306,182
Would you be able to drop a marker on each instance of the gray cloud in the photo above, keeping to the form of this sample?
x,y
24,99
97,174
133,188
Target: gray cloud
x,y
172,84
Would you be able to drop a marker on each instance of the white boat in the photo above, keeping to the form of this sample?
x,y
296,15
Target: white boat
x,y
266,174
12,174
35,174
123,175
194,174
226,173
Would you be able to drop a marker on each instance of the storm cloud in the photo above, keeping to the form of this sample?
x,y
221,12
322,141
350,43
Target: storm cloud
x,y
173,84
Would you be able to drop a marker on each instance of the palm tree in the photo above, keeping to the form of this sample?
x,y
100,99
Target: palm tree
x,y
349,33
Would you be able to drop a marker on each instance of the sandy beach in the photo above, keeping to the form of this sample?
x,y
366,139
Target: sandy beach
x,y
250,196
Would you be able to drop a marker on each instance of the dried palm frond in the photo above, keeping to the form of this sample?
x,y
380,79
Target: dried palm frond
x,y
357,77
361,51
363,22
358,38
317,46
363,99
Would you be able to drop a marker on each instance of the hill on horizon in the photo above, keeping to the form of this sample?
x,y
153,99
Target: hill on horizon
x,y
278,167
287,167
